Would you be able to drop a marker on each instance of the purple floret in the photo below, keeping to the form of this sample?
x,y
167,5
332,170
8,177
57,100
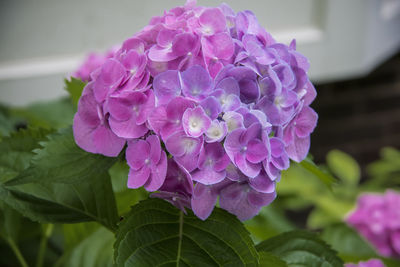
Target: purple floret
x,y
368,263
147,162
246,149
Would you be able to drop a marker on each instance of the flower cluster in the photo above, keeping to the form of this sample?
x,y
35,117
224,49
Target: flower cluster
x,y
91,62
209,105
369,263
377,218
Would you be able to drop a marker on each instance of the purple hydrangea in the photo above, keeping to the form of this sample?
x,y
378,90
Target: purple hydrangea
x,y
369,263
210,107
92,62
377,218
178,186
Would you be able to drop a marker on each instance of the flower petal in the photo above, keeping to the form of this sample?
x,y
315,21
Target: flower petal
x,y
106,142
136,153
167,86
137,178
127,129
256,151
203,201
262,183
158,174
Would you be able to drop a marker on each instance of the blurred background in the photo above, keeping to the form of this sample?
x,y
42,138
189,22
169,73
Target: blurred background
x,y
353,47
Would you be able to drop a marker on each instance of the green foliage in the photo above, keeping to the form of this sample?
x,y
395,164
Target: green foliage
x,y
344,167
269,259
310,166
348,243
155,233
74,87
16,151
63,185
61,160
301,248
93,250
351,246
7,122
124,196
385,172
269,222
10,223
302,188
50,115
75,233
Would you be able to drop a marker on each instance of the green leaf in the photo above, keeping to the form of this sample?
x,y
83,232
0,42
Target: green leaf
x,y
95,250
301,248
50,115
334,207
269,222
348,243
302,189
319,218
124,196
119,175
10,222
61,160
74,88
351,246
129,197
298,180
270,260
16,151
344,166
325,177
385,172
75,233
8,123
64,184
155,233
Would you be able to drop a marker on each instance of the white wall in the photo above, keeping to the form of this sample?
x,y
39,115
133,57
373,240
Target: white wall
x,y
42,40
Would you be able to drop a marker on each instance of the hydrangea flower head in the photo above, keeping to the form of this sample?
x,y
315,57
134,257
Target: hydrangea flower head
x,y
208,105
369,263
377,218
91,62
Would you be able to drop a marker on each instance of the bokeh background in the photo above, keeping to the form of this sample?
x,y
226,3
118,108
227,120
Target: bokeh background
x,y
353,47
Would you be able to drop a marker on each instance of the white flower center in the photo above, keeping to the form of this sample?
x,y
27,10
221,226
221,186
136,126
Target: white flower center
x,y
207,30
223,99
135,108
195,124
195,91
232,125
278,101
189,145
216,132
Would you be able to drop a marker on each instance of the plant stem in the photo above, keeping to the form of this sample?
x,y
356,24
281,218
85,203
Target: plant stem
x,y
17,252
178,256
48,229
